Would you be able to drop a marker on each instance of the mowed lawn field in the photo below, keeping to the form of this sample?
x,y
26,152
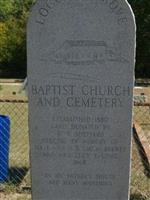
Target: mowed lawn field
x,y
19,154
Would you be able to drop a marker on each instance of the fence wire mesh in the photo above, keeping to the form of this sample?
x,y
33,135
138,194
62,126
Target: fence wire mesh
x,y
18,180
19,174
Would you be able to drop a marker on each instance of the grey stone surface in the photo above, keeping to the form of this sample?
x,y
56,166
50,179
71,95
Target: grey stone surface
x,y
81,71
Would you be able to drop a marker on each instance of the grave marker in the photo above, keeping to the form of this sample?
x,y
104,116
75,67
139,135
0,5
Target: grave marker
x,y
81,57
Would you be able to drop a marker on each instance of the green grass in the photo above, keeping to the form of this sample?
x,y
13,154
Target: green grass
x,y
16,196
140,182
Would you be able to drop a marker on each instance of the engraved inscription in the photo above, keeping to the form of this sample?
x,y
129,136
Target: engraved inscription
x,y
117,9
80,179
44,11
113,5
86,96
83,52
80,139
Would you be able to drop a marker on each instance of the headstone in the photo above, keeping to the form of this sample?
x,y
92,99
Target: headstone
x,y
81,56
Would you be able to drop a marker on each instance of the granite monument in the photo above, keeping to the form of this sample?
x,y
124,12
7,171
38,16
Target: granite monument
x,y
81,56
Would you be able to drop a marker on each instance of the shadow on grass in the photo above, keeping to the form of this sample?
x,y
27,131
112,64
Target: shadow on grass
x,y
137,197
16,174
142,153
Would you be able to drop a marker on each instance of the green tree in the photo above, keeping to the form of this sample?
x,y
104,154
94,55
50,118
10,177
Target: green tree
x,y
13,19
141,9
6,8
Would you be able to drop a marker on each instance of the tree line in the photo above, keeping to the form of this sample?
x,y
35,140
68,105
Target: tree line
x,y
13,19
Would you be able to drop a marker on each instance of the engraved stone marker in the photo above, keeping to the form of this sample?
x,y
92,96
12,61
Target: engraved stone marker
x,y
81,72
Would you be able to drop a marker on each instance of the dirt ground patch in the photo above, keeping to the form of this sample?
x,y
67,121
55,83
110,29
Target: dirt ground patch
x,y
16,196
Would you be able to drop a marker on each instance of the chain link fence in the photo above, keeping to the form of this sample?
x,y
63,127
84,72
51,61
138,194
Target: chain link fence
x,y
18,182
19,166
